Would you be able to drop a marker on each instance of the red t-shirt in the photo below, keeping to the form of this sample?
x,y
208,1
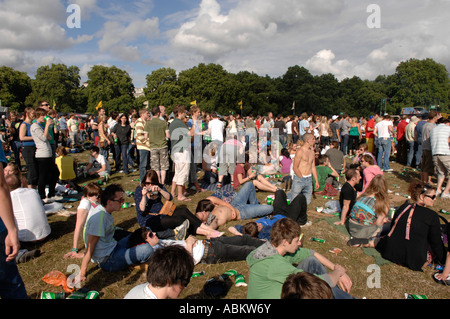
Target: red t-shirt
x,y
370,124
401,130
238,170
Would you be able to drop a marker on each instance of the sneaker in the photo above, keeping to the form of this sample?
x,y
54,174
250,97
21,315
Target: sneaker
x,y
55,198
389,170
28,255
308,223
180,231
445,195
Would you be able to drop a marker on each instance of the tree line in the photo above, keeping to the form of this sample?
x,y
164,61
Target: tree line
x,y
415,83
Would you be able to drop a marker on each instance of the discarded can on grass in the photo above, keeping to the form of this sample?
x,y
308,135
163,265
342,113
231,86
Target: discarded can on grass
x,y
412,296
78,295
327,197
92,294
230,272
198,274
240,281
443,211
270,199
319,209
126,205
319,240
52,295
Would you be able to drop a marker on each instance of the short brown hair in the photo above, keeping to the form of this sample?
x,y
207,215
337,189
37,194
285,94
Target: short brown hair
x,y
285,228
92,189
169,266
304,285
251,228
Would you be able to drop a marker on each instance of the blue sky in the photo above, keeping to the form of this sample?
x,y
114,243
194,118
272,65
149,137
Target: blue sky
x,y
261,36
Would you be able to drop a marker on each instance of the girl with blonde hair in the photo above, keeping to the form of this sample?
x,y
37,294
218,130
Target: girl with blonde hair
x,y
369,213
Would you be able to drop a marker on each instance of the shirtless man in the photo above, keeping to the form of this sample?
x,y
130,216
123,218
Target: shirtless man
x,y
244,206
304,169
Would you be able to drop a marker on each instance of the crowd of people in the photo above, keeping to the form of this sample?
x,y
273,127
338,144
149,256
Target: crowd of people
x,y
236,155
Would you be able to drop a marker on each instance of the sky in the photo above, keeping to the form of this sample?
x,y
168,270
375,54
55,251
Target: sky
x,y
344,37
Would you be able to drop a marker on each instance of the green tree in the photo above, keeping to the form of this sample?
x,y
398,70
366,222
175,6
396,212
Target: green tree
x,y
58,84
111,85
420,83
15,86
163,89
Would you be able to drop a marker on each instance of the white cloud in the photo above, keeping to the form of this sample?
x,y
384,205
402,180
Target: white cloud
x,y
116,37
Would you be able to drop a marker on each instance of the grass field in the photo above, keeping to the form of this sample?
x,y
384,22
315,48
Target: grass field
x,y
393,280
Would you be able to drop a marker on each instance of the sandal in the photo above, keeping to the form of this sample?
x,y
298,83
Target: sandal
x,y
357,242
440,281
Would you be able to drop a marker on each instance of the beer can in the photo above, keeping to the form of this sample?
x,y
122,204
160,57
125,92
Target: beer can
x,y
77,295
92,294
198,274
320,240
391,212
288,201
52,295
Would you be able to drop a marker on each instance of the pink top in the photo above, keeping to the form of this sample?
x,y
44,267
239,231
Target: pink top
x,y
369,173
286,165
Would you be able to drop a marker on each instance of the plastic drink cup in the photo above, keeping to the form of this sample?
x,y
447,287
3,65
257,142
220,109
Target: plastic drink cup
x,y
92,294
52,295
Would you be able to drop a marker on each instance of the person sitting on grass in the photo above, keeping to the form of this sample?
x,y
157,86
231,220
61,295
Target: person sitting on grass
x,y
348,194
325,173
101,247
369,213
244,172
415,233
272,263
90,200
98,165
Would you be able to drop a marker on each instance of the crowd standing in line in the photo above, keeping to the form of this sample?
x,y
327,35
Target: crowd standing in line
x,y
309,151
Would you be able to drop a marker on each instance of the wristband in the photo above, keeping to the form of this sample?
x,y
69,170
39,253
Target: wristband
x,y
75,249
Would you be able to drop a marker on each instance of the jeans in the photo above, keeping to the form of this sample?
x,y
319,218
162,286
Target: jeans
x,y
344,144
301,185
229,249
384,148
11,283
313,266
418,154
247,203
122,150
122,257
143,162
411,148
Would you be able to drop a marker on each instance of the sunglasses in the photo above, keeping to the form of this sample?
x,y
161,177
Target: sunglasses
x,y
45,104
432,197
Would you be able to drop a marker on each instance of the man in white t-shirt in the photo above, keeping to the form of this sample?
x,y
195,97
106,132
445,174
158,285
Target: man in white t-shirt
x,y
383,132
29,212
97,163
216,128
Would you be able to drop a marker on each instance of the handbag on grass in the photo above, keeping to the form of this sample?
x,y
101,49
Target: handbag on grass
x,y
168,208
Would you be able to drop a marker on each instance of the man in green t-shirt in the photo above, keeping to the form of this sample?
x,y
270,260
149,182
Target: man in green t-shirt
x,y
324,171
158,133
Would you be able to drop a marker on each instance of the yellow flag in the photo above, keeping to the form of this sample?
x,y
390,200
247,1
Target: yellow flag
x,y
99,105
240,104
194,102
54,105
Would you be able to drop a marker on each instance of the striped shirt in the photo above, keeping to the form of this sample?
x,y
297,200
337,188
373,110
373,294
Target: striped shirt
x,y
439,140
141,142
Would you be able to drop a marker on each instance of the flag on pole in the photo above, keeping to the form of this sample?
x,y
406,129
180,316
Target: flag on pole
x,y
194,102
99,105
54,105
240,104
